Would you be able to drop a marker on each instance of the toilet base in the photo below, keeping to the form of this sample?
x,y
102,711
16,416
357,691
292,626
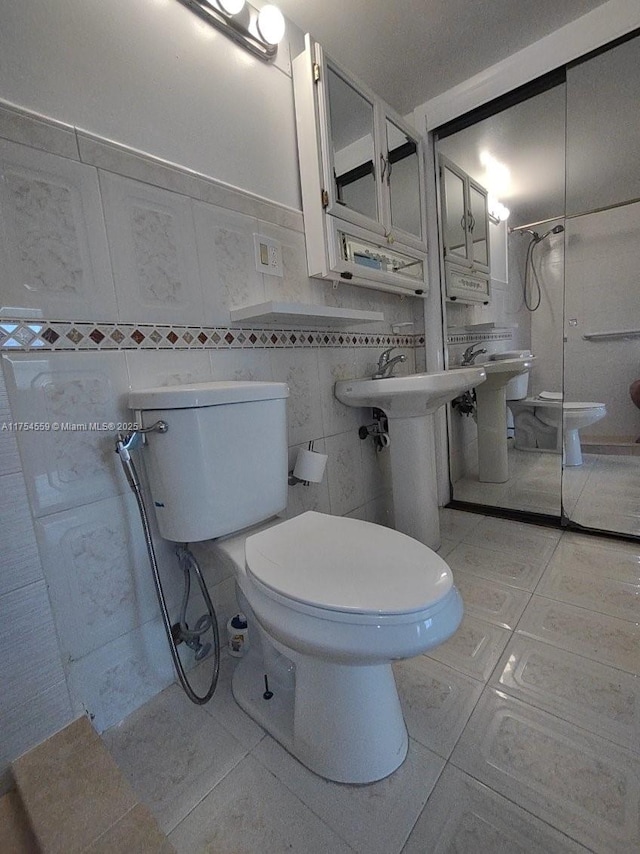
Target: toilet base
x,y
572,452
343,722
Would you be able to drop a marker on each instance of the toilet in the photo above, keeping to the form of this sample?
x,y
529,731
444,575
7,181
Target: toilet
x,y
331,601
548,423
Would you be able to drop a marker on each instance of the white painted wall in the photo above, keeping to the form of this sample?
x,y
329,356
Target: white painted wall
x,y
150,74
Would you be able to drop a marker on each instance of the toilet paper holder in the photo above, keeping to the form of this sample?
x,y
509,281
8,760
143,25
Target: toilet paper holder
x,y
309,467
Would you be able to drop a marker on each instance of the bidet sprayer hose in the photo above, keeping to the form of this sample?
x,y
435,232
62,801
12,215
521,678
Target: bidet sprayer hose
x,y
123,446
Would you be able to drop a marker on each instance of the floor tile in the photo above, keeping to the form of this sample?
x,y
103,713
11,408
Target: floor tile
x,y
250,811
436,701
597,636
599,698
222,705
446,546
474,649
606,580
137,832
454,524
522,571
582,785
373,819
496,603
515,538
465,817
173,753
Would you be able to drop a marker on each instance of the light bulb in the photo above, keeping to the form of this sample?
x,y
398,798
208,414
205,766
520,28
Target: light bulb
x,y
231,7
271,24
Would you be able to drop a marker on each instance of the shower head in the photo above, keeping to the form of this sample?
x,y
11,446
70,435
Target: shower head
x,y
557,229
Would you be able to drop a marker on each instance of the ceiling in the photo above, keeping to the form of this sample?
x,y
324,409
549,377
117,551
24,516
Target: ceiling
x,y
518,155
408,51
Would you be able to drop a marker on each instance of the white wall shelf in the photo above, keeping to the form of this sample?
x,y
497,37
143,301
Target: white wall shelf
x,y
302,314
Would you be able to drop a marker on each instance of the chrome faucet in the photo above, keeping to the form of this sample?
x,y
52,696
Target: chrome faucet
x,y
386,365
469,356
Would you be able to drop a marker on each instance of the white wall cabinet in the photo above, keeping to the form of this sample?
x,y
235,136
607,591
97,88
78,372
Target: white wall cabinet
x,y
362,178
465,235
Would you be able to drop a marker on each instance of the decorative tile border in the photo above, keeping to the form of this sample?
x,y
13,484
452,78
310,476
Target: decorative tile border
x,y
469,337
28,335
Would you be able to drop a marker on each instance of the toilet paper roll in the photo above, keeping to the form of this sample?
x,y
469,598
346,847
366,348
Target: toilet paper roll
x,y
310,466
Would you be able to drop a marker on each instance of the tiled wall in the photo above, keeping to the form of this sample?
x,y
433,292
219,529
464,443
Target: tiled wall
x,y
118,271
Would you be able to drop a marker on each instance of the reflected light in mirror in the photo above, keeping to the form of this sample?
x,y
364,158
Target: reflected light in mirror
x,y
497,211
497,175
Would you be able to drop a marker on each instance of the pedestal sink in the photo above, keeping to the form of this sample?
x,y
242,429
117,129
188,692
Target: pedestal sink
x,y
409,403
491,401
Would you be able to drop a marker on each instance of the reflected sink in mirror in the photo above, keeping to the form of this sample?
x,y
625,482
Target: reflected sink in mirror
x,y
500,372
409,403
410,396
491,411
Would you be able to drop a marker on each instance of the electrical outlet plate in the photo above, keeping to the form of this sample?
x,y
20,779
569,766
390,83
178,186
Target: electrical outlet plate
x,y
268,255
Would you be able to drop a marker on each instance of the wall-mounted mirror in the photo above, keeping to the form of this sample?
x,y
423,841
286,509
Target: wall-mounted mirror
x,y
454,212
402,173
568,292
478,226
351,119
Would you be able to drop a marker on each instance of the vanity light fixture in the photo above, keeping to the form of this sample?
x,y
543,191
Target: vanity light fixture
x,y
259,32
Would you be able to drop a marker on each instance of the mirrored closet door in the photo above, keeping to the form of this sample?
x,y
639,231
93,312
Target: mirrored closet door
x,y
565,287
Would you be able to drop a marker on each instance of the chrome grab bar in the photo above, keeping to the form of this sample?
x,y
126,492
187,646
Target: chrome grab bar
x,y
611,336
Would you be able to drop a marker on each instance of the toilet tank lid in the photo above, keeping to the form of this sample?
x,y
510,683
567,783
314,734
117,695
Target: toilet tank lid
x,y
193,395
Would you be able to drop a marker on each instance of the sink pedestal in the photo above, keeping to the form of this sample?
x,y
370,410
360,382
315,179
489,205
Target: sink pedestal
x,y
413,475
491,410
493,462
409,403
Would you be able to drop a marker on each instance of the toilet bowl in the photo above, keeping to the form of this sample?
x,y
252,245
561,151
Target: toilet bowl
x,y
336,600
547,423
330,601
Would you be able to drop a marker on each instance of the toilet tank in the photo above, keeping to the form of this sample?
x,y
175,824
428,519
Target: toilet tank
x,y
221,465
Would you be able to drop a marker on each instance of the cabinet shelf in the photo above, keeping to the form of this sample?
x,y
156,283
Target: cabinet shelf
x,y
302,314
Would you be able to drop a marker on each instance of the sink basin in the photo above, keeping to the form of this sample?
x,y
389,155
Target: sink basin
x,y
409,403
499,373
410,396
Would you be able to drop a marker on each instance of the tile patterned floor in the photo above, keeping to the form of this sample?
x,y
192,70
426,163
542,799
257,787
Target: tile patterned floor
x,y
524,727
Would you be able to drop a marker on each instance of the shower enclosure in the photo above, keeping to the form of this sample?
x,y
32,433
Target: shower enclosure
x,y
565,283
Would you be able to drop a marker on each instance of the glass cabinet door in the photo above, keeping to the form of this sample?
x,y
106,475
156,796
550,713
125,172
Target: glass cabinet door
x,y
454,214
402,174
478,230
351,121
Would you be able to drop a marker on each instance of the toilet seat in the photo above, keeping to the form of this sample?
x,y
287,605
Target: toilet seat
x,y
352,569
569,406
